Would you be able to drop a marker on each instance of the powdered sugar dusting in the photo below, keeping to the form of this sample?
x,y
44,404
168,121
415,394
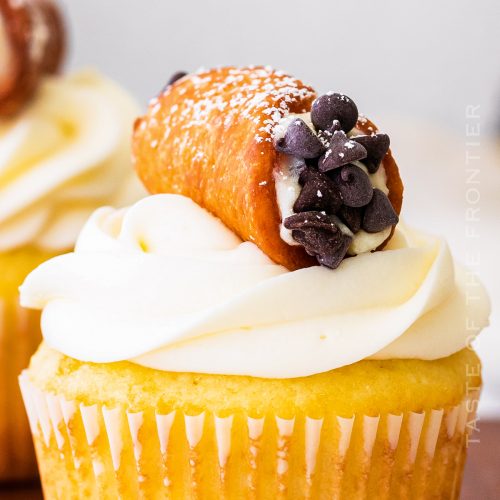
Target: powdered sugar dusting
x,y
258,94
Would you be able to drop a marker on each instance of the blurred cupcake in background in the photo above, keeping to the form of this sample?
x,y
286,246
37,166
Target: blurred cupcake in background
x,y
64,150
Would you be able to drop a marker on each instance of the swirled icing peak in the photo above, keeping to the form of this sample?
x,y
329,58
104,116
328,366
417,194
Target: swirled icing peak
x,y
166,285
65,155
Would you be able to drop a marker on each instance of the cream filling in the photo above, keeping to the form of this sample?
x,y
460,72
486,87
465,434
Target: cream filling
x,y
288,189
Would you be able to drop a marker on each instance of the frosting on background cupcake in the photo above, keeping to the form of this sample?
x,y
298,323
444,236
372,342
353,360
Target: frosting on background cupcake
x,y
66,154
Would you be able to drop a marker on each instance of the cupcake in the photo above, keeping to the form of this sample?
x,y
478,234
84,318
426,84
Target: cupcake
x,y
180,359
64,153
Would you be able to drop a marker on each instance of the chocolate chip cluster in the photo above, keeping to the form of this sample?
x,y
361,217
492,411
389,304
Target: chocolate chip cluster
x,y
335,192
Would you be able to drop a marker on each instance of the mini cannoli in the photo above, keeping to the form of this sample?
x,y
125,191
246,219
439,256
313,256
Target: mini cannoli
x,y
32,40
306,178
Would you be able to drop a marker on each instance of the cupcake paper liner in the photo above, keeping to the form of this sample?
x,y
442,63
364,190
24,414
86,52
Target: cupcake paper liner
x,y
99,452
19,338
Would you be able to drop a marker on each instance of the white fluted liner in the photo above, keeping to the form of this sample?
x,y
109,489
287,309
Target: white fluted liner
x,y
411,448
312,442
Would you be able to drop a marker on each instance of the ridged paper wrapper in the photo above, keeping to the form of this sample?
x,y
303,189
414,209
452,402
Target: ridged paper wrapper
x,y
100,452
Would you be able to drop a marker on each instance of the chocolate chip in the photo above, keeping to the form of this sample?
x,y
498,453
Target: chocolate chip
x,y
354,185
376,146
342,151
334,106
176,76
312,219
319,192
326,135
312,162
337,253
351,217
309,174
379,214
320,236
334,127
300,140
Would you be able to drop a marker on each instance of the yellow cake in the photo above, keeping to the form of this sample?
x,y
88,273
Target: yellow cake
x,y
57,166
122,430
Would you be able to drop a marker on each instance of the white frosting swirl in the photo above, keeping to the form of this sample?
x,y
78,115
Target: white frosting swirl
x,y
65,155
166,285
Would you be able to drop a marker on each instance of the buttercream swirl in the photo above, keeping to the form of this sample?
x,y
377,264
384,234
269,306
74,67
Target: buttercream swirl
x,y
65,155
166,285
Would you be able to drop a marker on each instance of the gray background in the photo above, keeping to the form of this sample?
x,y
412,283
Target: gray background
x,y
427,58
413,66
